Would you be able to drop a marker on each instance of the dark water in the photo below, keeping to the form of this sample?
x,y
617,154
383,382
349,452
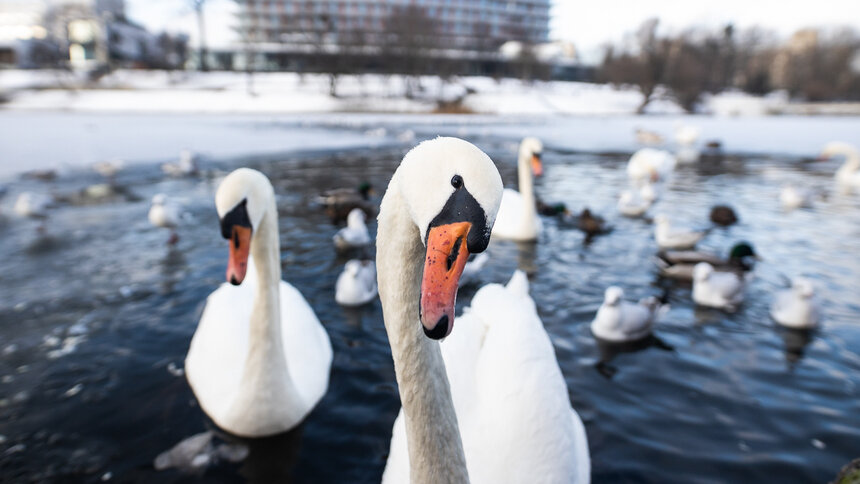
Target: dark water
x,y
93,320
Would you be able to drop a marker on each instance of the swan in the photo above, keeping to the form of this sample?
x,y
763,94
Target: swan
x,y
721,290
619,321
650,164
186,166
792,197
848,175
630,204
518,218
165,214
486,423
796,307
356,285
260,359
649,192
669,238
679,264
355,233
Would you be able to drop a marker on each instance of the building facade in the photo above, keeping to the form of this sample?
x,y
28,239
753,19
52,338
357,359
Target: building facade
x,y
460,27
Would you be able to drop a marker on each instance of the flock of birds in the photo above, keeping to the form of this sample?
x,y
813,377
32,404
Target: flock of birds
x,y
490,402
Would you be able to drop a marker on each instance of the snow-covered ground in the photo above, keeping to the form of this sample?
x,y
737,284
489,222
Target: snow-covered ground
x,y
231,92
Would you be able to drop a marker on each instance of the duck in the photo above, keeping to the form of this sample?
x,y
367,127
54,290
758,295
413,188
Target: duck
x,y
164,213
796,307
792,197
592,224
472,409
620,321
630,204
356,285
650,165
848,175
723,215
518,218
669,238
259,360
185,166
679,264
551,209
340,202
721,290
355,234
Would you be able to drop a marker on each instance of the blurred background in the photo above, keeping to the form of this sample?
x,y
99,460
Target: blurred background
x,y
105,104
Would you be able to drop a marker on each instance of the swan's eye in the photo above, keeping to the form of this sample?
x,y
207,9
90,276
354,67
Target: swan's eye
x,y
457,181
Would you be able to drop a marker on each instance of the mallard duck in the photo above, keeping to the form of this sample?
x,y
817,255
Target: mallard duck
x,y
721,290
590,223
679,264
340,201
550,209
723,215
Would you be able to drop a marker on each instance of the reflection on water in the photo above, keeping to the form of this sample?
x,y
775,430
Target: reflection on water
x,y
609,350
94,330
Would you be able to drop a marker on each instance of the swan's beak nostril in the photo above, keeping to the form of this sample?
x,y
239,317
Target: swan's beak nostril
x,y
447,253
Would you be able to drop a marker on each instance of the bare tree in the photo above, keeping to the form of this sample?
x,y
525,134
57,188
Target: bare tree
x,y
411,38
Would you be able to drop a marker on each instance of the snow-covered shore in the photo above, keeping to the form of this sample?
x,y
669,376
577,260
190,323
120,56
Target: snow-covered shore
x,y
284,93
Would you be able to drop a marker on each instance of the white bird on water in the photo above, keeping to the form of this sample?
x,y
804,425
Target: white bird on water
x,y
721,290
355,234
620,321
669,237
164,213
356,285
797,306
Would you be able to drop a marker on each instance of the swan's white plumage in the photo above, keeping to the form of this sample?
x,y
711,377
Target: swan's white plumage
x,y
511,400
518,219
668,237
356,285
355,234
796,307
619,321
721,290
848,175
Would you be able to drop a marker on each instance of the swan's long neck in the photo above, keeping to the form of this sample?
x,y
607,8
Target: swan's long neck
x,y
526,186
266,379
851,164
435,449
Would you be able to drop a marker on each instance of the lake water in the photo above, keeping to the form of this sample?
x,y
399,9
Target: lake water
x,y
97,312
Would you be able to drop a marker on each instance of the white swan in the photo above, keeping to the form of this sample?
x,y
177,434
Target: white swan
x,y
670,238
356,285
260,359
620,321
355,233
796,307
518,219
722,290
446,192
848,175
630,204
792,197
185,166
165,214
649,164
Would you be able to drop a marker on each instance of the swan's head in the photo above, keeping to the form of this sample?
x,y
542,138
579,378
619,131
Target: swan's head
x,y
452,191
613,295
242,199
702,271
531,150
837,148
803,287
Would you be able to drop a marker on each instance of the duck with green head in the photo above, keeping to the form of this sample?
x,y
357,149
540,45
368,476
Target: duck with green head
x,y
679,264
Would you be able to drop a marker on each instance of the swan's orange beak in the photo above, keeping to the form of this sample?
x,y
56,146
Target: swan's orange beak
x,y
240,247
446,257
537,166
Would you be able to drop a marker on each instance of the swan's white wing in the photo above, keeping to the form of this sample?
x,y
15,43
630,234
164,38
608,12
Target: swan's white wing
x,y
397,466
306,345
510,222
